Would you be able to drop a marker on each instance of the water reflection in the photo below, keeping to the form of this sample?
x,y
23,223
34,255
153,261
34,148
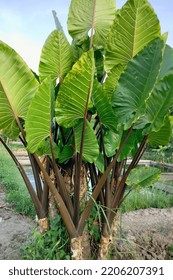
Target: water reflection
x,y
30,175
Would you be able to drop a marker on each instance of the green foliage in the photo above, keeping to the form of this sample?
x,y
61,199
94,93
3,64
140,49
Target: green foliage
x,y
167,64
17,87
159,103
40,115
136,83
130,32
82,14
85,118
142,177
72,97
16,192
56,57
53,244
104,108
162,136
148,198
91,154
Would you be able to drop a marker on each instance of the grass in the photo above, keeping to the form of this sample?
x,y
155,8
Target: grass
x,y
149,198
16,192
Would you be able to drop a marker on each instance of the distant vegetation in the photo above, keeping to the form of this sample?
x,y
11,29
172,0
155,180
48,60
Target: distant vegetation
x,y
16,192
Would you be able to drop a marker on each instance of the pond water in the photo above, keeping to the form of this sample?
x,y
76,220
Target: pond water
x,y
30,175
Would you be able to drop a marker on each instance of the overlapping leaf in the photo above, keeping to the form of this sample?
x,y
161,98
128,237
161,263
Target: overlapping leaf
x,y
143,177
103,107
135,25
132,144
72,97
56,57
111,142
81,15
167,64
135,84
158,104
161,137
17,87
90,148
112,80
39,117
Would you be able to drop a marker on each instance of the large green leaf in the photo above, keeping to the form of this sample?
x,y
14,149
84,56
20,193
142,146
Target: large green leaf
x,y
103,107
45,149
131,145
135,84
112,80
158,105
111,142
161,137
90,147
167,64
7,117
135,25
66,153
39,117
56,57
17,87
81,15
72,97
143,177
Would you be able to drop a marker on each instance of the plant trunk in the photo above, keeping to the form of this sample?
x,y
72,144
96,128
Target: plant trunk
x,y
109,241
105,243
43,224
76,248
80,247
52,208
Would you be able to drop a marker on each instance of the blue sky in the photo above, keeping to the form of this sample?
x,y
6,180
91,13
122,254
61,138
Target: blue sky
x,y
25,25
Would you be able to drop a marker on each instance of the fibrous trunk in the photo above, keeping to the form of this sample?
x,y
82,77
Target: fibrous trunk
x,y
43,224
106,242
80,247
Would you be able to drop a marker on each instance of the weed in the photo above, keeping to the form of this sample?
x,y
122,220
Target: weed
x,y
148,198
53,244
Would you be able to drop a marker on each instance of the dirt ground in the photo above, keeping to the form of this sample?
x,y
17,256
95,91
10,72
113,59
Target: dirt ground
x,y
14,230
143,234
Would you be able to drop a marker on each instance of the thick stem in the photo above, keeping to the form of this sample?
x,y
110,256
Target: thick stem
x,y
60,203
45,195
81,247
121,188
61,183
36,173
77,248
105,243
43,224
89,206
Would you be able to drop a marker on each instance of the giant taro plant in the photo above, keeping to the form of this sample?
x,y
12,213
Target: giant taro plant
x,y
94,104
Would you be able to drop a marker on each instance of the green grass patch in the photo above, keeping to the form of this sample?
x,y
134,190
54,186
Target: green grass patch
x,y
53,244
148,198
16,191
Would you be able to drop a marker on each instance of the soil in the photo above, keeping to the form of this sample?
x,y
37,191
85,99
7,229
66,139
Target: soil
x,y
143,234
14,230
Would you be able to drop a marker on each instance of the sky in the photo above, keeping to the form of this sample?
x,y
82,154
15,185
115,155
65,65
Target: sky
x,y
25,25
